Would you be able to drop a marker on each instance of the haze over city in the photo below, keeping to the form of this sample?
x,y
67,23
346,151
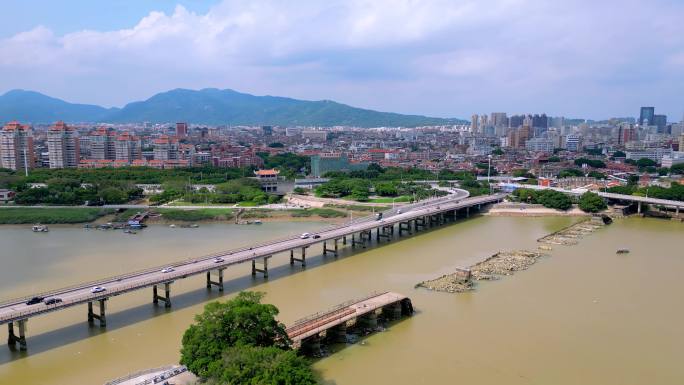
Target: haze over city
x,y
581,59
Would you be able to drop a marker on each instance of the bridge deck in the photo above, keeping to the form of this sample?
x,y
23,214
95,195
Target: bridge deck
x,y
339,315
15,310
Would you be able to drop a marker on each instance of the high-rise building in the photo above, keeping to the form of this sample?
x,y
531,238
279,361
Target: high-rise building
x,y
660,121
127,147
573,142
681,142
474,121
499,119
181,130
482,124
63,146
646,114
540,121
16,147
516,121
267,130
102,144
165,148
626,133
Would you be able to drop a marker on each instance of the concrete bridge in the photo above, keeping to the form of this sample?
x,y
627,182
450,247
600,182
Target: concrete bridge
x,y
332,325
676,205
407,219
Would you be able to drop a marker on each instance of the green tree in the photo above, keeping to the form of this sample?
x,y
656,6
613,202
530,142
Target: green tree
x,y
243,320
251,365
645,162
619,154
554,199
591,202
112,195
497,151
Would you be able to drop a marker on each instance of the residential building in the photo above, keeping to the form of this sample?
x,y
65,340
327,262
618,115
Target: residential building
x,y
165,148
63,146
474,121
127,147
676,158
16,147
181,130
103,144
499,119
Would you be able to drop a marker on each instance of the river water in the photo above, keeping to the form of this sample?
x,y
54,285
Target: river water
x,y
583,315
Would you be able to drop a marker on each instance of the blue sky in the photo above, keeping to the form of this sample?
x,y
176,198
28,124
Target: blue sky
x,y
451,58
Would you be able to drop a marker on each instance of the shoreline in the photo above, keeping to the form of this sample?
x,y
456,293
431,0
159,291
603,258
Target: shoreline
x,y
528,210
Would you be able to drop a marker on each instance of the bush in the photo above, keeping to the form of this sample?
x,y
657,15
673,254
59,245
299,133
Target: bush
x,y
591,203
50,215
251,365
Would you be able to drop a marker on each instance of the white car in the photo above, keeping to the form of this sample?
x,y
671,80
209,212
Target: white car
x,y
167,270
305,236
97,289
218,260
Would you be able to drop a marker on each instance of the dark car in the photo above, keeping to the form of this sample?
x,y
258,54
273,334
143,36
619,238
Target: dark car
x,y
316,236
52,301
35,300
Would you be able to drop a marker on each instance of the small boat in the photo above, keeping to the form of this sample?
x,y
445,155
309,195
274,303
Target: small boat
x,y
622,251
128,231
172,226
194,226
257,222
40,229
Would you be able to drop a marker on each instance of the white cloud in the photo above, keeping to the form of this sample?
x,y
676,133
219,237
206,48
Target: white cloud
x,y
467,55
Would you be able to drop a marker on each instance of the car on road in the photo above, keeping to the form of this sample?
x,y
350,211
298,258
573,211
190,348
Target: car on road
x,y
52,301
399,211
97,289
305,236
316,236
218,260
167,270
378,216
35,300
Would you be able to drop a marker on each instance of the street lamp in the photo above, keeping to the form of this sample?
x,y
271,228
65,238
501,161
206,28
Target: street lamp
x,y
489,170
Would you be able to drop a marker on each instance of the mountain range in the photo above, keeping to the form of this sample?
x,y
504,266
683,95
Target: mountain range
x,y
209,106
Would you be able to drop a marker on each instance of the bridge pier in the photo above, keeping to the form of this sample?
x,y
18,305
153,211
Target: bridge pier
x,y
264,266
344,240
404,226
218,283
12,338
387,232
101,317
167,295
334,250
302,259
420,221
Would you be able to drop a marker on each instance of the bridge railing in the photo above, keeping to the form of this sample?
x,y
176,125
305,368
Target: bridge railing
x,y
337,307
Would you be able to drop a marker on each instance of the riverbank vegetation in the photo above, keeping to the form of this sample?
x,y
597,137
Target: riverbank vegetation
x,y
675,192
240,342
244,191
548,198
51,215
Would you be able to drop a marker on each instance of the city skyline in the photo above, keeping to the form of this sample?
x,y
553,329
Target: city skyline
x,y
407,58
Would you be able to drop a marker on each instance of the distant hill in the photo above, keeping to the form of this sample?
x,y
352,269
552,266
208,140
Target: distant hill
x,y
208,106
34,107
